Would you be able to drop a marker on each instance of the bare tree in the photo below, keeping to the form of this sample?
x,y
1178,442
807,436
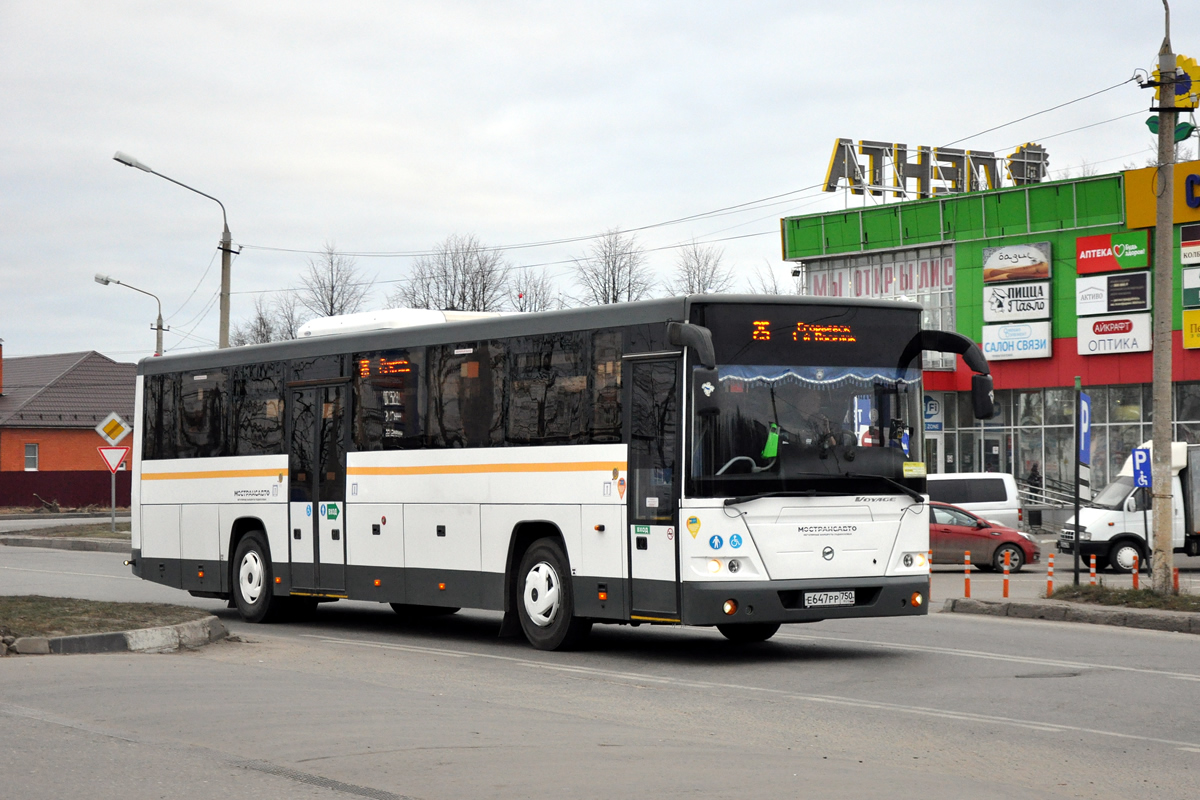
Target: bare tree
x,y
289,316
333,285
614,270
532,291
271,322
460,275
259,329
698,270
766,281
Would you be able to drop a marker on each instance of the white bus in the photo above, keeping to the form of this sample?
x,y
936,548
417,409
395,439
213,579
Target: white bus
x,y
737,461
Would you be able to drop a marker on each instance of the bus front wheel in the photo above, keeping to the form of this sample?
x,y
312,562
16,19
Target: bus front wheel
x,y
252,582
545,604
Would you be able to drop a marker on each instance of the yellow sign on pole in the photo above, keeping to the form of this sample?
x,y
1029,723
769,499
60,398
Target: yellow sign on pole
x,y
1186,92
1191,329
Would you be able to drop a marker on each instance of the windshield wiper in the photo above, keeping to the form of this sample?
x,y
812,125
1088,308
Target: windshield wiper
x,y
733,501
913,493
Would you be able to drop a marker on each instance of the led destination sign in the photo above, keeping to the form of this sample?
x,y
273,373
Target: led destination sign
x,y
805,332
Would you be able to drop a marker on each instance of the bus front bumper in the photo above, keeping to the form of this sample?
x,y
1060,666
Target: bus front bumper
x,y
704,603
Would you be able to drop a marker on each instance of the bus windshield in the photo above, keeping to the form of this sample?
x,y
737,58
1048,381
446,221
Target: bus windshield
x,y
817,401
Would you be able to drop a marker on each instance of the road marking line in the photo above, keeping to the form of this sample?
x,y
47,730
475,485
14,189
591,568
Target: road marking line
x,y
1049,662
79,574
636,677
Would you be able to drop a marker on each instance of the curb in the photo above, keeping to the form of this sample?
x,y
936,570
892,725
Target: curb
x,y
1145,618
121,515
55,543
168,639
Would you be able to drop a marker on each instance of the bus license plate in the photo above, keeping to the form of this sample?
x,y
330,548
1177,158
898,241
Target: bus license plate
x,y
818,599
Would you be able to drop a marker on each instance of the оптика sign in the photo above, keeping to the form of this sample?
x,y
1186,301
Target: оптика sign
x,y
1126,333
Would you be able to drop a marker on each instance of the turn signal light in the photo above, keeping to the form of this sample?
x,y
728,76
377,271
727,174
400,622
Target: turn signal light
x,y
917,599
714,566
730,607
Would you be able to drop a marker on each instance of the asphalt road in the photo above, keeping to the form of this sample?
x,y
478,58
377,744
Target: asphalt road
x,y
360,704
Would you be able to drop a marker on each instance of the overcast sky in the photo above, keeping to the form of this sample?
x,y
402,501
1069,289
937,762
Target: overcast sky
x,y
386,126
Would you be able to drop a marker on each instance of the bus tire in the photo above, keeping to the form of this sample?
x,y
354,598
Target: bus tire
x,y
545,604
1120,556
750,632
252,581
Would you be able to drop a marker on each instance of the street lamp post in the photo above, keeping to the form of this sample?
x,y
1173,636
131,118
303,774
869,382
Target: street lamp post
x,y
226,241
105,280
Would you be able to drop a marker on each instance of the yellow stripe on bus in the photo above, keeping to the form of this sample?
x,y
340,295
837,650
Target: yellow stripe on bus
x,y
224,473
459,469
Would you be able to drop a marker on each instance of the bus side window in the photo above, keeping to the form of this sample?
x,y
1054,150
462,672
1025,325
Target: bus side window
x,y
606,387
160,400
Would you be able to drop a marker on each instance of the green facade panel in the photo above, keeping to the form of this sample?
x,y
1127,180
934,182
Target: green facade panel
x,y
881,227
964,217
1051,207
1099,202
843,233
922,223
1004,213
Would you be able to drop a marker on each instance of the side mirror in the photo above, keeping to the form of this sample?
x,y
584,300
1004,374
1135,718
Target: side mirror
x,y
983,396
705,395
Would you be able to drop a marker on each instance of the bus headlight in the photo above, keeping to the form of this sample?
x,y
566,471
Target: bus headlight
x,y
714,565
910,560
734,565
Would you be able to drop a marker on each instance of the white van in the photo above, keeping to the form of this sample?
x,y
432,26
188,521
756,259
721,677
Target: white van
x,y
1114,523
991,495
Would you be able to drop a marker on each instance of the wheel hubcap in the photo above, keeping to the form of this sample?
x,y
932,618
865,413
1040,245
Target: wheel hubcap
x,y
1125,557
541,594
250,577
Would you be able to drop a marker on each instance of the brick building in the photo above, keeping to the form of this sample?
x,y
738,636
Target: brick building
x,y
49,407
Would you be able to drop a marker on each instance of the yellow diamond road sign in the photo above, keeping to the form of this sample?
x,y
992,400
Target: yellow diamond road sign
x,y
113,429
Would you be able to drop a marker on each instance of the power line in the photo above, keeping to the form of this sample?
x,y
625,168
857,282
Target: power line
x,y
1044,111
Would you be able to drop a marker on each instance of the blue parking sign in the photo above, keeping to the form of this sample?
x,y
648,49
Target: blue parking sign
x,y
1141,467
1085,429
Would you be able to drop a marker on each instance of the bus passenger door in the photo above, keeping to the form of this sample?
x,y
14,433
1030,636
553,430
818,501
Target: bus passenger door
x,y
653,406
317,466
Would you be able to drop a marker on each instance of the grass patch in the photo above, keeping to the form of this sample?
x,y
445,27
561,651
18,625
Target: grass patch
x,y
96,531
1129,598
32,615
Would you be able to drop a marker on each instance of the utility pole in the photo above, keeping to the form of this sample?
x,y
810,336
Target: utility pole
x,y
1164,301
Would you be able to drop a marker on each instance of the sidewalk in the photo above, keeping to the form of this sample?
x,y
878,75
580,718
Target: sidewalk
x,y
1145,618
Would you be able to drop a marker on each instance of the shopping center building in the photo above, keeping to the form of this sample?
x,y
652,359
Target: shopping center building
x,y
1052,279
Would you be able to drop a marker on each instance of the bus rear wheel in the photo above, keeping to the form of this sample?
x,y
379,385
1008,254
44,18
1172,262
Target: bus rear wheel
x,y
750,632
545,604
252,582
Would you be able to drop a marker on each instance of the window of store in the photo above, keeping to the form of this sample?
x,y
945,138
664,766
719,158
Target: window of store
x,y
922,274
1036,428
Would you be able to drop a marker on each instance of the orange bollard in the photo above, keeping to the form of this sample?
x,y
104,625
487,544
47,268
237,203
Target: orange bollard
x,y
967,573
1007,555
1093,559
1175,578
1135,571
1050,576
